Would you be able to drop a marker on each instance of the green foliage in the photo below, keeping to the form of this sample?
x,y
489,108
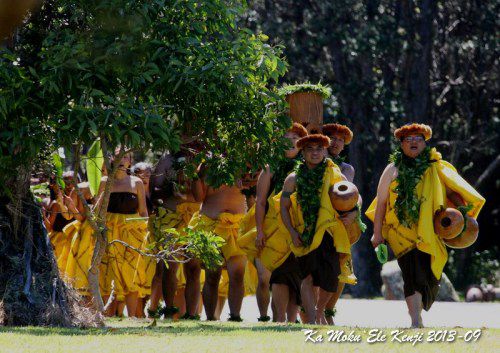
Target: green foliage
x,y
139,73
359,220
204,246
322,90
410,171
24,134
481,268
284,167
58,169
40,189
309,184
94,162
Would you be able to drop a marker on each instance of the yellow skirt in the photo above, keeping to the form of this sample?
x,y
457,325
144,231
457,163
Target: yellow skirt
x,y
179,220
118,267
226,226
79,256
61,244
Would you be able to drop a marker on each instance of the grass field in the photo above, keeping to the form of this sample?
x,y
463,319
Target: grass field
x,y
123,336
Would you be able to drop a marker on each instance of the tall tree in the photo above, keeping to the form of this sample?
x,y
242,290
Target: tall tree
x,y
135,74
390,62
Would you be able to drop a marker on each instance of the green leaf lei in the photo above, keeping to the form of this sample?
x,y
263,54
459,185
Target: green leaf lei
x,y
338,160
285,167
309,183
410,171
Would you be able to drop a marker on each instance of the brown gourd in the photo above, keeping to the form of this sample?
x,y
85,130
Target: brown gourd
x,y
448,223
467,237
344,196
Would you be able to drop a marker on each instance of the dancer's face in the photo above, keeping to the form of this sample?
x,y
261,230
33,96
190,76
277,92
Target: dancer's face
x,y
144,175
126,161
336,144
293,150
413,145
313,153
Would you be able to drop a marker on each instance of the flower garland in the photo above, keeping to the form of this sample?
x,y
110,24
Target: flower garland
x,y
309,183
410,171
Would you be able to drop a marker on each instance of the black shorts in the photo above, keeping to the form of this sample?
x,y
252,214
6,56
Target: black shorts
x,y
418,277
288,273
323,264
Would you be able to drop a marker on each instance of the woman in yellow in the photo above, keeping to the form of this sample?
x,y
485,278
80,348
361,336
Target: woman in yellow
x,y
65,209
413,187
145,268
127,202
263,223
319,237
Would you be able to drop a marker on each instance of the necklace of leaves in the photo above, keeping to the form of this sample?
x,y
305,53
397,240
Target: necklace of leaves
x,y
410,171
338,160
309,183
285,167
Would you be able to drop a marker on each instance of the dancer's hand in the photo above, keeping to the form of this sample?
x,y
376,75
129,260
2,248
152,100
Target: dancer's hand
x,y
260,240
349,217
296,239
377,239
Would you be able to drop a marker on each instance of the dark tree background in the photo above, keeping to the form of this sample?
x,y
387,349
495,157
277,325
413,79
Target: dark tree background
x,y
393,62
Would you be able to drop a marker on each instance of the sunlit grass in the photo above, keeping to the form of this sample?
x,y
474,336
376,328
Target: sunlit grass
x,y
122,336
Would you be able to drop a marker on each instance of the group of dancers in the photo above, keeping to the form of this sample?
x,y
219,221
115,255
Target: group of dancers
x,y
287,243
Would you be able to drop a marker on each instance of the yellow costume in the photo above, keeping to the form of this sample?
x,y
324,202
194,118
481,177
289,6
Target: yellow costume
x,y
328,221
177,220
278,239
61,243
80,255
431,190
118,265
226,226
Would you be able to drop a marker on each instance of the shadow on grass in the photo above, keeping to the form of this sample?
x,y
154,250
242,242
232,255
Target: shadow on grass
x,y
164,327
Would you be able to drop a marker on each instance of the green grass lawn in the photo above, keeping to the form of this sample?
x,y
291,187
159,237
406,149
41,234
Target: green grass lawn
x,y
123,336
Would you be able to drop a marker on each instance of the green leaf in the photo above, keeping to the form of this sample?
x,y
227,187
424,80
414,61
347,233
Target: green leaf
x,y
94,164
58,166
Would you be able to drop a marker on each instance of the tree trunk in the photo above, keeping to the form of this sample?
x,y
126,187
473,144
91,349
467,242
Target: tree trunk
x,y
30,287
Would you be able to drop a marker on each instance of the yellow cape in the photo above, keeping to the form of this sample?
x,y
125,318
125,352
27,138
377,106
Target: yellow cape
x,y
278,240
328,222
431,190
328,218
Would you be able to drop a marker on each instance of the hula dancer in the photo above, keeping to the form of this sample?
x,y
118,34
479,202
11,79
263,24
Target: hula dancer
x,y
221,212
320,239
65,209
340,136
267,227
412,189
176,210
